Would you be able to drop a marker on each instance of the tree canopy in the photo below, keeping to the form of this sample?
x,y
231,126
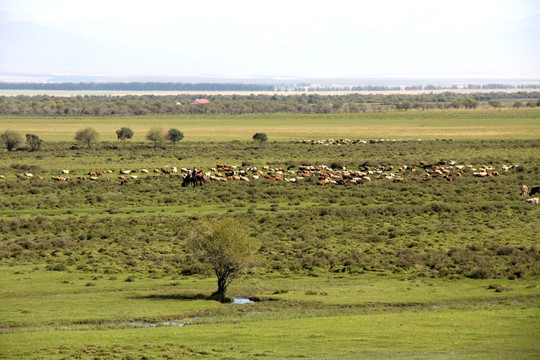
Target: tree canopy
x,y
87,136
10,139
33,142
226,245
175,135
124,133
155,135
260,137
97,105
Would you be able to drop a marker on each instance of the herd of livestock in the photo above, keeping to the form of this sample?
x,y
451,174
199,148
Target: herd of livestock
x,y
320,174
359,141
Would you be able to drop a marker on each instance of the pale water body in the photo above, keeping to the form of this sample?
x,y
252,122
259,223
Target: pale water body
x,y
236,301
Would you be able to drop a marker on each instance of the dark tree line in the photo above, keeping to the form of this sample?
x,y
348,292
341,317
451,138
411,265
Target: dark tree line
x,y
90,105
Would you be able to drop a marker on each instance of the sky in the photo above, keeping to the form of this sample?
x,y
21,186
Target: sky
x,y
289,39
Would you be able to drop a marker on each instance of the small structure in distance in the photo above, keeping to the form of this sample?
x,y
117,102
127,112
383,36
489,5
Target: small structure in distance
x,y
200,101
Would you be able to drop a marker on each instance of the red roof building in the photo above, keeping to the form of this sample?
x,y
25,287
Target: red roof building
x,y
200,101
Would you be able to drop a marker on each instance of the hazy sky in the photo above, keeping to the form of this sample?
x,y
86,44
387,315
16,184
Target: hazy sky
x,y
380,14
288,38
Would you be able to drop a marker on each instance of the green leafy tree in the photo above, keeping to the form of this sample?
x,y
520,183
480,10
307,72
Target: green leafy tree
x,y
225,244
155,135
404,105
87,136
470,103
123,134
495,103
33,142
517,104
10,140
174,136
260,137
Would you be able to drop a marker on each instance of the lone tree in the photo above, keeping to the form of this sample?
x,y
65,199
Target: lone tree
x,y
10,139
123,134
175,135
33,142
87,136
260,137
155,135
495,103
225,244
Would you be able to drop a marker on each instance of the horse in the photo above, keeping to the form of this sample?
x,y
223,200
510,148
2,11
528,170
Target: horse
x,y
534,190
196,180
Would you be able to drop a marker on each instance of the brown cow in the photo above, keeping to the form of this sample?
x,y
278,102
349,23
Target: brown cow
x,y
535,190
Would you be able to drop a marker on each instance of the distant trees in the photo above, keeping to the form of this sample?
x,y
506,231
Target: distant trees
x,y
33,142
123,134
517,104
246,104
10,140
174,136
260,137
87,136
470,103
226,245
495,103
155,135
404,105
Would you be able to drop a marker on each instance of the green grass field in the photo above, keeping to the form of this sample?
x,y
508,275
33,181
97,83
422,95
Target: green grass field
x,y
430,269
58,315
464,124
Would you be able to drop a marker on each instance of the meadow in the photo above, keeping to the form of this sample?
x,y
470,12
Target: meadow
x,y
408,269
465,124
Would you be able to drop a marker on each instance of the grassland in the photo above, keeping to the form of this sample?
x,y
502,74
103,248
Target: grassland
x,y
463,124
430,269
58,315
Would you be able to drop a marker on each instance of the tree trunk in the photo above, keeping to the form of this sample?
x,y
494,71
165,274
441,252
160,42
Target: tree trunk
x,y
222,286
219,295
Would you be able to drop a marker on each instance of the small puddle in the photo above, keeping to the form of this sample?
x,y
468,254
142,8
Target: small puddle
x,y
153,325
242,301
173,323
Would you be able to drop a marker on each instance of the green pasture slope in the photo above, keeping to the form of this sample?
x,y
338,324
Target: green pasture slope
x,y
430,269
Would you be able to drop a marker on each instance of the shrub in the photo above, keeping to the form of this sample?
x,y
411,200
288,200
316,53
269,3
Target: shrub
x,y
10,140
498,287
155,135
33,142
87,136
